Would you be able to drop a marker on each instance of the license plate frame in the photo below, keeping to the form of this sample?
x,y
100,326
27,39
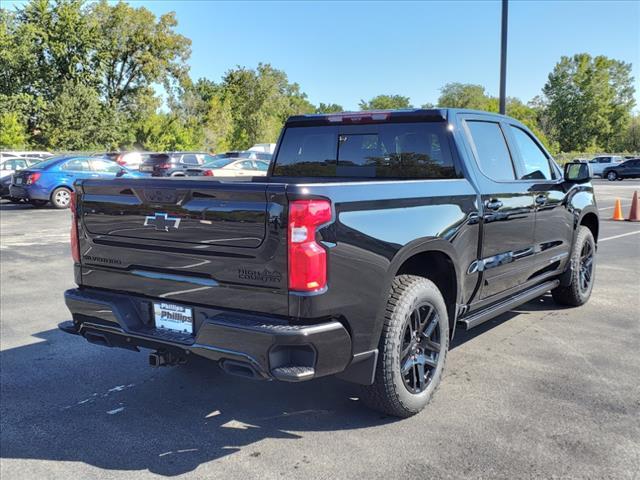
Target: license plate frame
x,y
173,317
18,180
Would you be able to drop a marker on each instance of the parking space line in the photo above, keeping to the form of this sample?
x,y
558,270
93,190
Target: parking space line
x,y
609,208
619,236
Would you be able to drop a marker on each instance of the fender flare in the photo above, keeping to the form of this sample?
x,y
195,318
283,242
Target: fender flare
x,y
415,247
424,246
585,211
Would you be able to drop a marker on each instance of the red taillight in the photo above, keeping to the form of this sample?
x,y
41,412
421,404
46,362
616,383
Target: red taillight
x,y
32,178
208,173
75,241
164,165
307,259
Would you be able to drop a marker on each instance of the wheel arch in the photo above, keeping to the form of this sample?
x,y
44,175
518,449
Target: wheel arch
x,y
62,185
437,261
590,220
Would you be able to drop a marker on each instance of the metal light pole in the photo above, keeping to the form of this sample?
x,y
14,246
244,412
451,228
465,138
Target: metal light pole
x,y
503,57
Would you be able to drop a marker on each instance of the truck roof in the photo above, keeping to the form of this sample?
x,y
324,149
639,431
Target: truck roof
x,y
372,116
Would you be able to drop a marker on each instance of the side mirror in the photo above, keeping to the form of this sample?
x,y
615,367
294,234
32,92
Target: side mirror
x,y
121,172
577,172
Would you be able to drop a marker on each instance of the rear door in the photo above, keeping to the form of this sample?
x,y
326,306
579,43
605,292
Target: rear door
x,y
77,169
190,241
508,208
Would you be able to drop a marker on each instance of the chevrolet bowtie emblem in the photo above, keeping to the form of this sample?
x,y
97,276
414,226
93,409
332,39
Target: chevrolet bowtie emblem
x,y
161,221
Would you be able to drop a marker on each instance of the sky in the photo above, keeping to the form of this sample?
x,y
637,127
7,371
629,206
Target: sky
x,y
342,52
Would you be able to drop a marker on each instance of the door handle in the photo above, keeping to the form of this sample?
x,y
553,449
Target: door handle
x,y
541,200
493,204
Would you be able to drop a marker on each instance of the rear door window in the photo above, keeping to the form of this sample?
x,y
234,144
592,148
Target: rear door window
x,y
490,149
77,165
393,150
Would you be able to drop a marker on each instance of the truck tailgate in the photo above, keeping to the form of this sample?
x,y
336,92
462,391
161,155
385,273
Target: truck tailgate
x,y
219,244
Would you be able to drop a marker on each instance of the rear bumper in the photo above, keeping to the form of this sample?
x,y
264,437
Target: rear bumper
x,y
28,193
270,348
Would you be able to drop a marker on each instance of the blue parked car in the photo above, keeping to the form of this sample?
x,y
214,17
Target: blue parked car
x,y
52,180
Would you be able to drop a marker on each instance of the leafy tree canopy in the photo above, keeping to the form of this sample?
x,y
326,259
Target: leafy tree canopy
x,y
589,102
385,102
329,108
12,131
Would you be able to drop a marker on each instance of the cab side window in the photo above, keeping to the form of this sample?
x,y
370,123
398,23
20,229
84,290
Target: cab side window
x,y
534,161
491,150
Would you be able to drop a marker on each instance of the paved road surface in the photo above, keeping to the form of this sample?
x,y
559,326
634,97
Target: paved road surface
x,y
537,392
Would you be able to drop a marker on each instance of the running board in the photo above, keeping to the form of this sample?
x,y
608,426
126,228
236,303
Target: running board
x,y
475,319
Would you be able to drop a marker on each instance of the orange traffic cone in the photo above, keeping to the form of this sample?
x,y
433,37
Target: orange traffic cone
x,y
617,211
634,212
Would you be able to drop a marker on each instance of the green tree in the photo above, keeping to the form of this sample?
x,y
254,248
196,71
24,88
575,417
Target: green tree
x,y
385,102
166,132
464,95
12,131
134,50
630,141
78,120
589,102
258,102
118,51
329,108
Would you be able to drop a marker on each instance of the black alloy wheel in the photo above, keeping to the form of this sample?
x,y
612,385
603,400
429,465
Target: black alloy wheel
x,y
420,348
586,266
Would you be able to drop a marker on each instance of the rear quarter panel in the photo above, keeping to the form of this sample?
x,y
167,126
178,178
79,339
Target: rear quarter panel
x,y
377,226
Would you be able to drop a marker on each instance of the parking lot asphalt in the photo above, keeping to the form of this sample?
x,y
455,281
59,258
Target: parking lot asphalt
x,y
539,392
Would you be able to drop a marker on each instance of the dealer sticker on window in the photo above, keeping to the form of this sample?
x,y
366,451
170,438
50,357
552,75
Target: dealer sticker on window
x,y
173,317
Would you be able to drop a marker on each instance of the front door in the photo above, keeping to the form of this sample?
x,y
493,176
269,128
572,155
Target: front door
x,y
554,222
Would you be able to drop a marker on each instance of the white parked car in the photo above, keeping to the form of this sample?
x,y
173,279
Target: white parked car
x,y
264,148
10,165
232,167
34,154
598,164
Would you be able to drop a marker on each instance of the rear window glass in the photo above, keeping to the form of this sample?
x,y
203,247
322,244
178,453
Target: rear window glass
x,y
401,150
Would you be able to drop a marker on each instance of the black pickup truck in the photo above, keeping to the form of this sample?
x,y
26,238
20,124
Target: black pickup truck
x,y
373,235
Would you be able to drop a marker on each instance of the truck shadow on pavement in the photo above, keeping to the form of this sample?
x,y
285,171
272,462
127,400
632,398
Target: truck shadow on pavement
x,y
66,400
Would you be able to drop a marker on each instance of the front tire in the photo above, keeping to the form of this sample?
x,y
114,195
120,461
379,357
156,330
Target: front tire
x,y
412,348
61,197
612,176
583,269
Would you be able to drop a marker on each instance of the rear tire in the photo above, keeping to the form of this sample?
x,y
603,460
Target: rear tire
x,y
412,349
612,176
61,197
583,269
